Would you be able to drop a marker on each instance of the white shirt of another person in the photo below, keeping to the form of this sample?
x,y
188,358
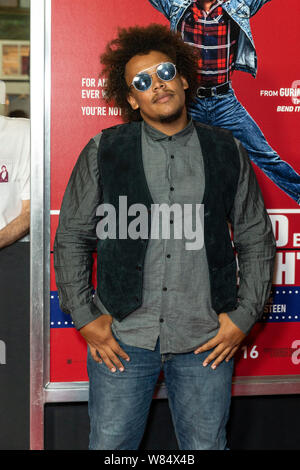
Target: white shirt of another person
x,y
14,167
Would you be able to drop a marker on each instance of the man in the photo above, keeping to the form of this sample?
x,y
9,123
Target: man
x,y
158,304
219,32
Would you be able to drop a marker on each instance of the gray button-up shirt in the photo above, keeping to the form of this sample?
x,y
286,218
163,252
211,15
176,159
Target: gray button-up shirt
x,y
176,290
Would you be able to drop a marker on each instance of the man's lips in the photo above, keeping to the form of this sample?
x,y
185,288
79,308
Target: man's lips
x,y
162,97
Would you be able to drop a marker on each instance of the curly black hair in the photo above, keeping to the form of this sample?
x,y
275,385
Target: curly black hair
x,y
139,40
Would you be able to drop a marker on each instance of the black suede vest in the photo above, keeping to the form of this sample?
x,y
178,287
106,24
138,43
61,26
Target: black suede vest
x,y
120,261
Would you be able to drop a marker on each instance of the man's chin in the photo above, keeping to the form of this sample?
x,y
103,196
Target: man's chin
x,y
169,118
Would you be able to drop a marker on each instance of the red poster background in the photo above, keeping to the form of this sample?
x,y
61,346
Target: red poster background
x,y
80,30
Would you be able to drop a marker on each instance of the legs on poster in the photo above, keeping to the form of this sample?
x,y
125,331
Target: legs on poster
x,y
199,399
227,112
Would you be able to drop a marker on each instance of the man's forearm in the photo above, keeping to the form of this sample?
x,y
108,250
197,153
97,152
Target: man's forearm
x,y
256,272
15,230
73,264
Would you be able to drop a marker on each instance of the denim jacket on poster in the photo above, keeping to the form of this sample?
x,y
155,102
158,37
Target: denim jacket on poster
x,y
239,10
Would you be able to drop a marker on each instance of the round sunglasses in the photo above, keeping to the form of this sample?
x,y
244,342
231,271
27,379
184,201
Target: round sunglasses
x,y
165,71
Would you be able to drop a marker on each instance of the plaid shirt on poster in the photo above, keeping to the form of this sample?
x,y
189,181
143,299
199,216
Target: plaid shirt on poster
x,y
215,36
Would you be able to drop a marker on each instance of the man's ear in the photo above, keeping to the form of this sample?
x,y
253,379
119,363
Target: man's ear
x,y
184,83
132,101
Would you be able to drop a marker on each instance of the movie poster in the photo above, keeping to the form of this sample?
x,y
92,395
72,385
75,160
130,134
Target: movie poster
x,y
80,31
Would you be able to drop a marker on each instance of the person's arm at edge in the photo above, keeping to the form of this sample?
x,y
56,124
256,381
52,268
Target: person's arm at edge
x,y
17,228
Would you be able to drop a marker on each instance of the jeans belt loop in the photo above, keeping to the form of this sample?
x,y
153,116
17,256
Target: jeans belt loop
x,y
198,92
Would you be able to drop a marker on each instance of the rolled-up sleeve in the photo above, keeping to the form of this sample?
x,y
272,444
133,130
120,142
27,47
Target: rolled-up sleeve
x,y
76,240
164,6
256,5
255,245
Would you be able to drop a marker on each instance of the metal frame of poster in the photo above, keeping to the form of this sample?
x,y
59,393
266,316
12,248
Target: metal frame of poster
x,y
42,388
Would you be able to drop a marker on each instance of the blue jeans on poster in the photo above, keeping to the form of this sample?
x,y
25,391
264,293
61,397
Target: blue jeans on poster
x,y
227,112
199,399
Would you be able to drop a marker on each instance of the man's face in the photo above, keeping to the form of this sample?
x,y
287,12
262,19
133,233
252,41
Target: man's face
x,y
163,101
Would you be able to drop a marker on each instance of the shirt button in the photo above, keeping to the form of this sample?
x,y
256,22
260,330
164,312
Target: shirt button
x,y
171,221
169,138
171,188
161,320
168,256
172,156
165,288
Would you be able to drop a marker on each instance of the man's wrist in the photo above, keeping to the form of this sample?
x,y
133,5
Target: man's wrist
x,y
242,319
85,314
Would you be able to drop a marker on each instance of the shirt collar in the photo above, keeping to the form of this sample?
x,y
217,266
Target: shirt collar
x,y
157,135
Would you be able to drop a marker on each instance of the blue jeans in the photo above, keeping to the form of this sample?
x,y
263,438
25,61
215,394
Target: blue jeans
x,y
199,399
227,112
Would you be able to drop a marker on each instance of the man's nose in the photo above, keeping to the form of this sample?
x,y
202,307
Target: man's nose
x,y
157,83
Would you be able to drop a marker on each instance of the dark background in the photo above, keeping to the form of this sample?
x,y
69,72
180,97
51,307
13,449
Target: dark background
x,y
256,423
14,331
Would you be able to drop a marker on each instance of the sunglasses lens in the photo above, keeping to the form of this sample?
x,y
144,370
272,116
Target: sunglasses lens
x,y
166,71
142,81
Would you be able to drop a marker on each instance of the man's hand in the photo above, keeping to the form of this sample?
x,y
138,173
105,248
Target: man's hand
x,y
225,343
103,345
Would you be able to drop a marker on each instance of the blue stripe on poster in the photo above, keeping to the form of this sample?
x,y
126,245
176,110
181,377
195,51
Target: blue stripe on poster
x,y
284,306
58,319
